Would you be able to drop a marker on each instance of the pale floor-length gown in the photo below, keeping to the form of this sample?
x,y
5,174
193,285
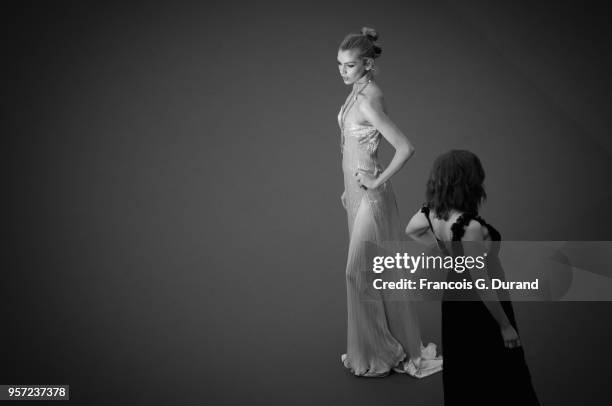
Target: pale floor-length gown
x,y
381,332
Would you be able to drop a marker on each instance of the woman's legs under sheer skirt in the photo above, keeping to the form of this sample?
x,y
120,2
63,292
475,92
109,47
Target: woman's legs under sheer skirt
x,y
383,329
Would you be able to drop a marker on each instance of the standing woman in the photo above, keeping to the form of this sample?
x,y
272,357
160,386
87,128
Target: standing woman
x,y
484,362
383,334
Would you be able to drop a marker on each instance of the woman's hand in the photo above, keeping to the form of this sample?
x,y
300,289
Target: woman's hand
x,y
365,180
510,336
343,199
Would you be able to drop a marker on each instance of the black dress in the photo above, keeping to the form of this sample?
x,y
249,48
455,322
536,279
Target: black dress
x,y
478,368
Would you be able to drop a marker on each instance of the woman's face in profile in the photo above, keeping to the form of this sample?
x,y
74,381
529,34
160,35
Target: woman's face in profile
x,y
350,65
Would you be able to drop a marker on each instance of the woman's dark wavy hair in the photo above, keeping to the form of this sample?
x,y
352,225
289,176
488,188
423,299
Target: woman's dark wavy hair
x,y
456,182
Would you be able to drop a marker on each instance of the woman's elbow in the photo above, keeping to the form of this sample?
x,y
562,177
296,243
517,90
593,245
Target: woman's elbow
x,y
410,234
411,229
413,234
410,151
406,152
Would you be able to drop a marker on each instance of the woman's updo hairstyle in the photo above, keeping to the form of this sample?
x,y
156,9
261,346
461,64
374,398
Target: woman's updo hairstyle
x,y
364,43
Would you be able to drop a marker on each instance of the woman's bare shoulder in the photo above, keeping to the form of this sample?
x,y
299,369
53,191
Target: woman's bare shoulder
x,y
373,92
474,231
372,99
485,232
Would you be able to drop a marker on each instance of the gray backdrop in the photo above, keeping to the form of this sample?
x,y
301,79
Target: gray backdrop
x,y
174,178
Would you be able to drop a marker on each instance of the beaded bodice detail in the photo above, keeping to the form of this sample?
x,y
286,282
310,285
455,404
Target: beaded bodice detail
x,y
364,136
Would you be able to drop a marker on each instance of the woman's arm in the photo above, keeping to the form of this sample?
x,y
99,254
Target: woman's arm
x,y
372,110
418,229
474,247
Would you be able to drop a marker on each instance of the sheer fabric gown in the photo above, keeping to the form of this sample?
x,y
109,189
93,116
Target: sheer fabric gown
x,y
381,332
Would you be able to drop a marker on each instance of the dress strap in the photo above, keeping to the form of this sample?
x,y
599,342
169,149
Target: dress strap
x,y
495,235
425,211
458,228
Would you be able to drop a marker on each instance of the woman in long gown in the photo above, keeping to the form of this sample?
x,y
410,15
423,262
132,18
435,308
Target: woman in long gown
x,y
383,334
476,325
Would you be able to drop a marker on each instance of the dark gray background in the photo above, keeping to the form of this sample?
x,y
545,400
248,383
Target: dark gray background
x,y
173,178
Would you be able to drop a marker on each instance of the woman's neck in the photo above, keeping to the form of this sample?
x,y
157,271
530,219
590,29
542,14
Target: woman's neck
x,y
362,81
